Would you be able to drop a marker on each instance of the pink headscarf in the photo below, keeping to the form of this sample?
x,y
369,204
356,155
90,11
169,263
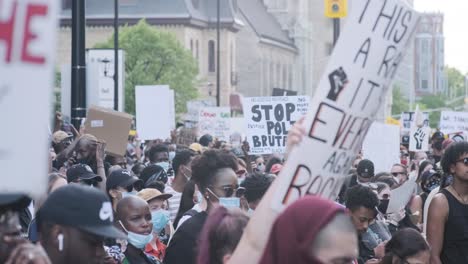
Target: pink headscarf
x,y
296,228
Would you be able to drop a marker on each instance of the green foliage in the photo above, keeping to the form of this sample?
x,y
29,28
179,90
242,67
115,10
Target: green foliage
x,y
456,82
400,103
155,57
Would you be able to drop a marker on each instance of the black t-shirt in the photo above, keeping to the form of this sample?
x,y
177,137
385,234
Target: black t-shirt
x,y
183,246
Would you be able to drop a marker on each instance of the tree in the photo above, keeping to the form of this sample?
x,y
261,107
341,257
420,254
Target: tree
x,y
155,57
400,103
456,82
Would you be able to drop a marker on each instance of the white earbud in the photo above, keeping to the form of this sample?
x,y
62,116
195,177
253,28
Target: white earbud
x,y
60,240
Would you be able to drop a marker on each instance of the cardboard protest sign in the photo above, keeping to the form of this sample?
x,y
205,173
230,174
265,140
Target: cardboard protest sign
x,y
453,122
268,120
27,51
109,126
408,118
154,119
237,133
382,146
215,121
349,95
419,138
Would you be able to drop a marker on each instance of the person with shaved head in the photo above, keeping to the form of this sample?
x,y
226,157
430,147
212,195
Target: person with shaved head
x,y
134,217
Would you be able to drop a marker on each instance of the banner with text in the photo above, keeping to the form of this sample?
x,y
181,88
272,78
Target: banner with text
x,y
349,95
453,122
27,51
268,120
215,121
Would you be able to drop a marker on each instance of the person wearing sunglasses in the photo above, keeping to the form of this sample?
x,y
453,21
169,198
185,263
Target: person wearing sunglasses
x,y
120,184
399,173
447,220
214,172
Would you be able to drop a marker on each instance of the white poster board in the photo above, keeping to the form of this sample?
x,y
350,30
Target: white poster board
x,y
152,116
237,134
419,138
408,119
268,120
26,81
382,146
453,122
215,121
193,108
350,93
401,196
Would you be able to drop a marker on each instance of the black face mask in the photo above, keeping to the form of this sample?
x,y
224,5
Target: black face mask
x,y
437,145
383,206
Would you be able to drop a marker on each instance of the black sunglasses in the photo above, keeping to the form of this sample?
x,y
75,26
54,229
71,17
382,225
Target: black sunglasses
x,y
89,182
395,174
229,191
464,160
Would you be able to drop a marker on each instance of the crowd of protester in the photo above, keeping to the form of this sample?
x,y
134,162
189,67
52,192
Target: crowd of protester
x,y
167,203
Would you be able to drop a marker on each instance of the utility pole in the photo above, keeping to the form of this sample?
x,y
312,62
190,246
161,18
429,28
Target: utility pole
x,y
116,55
218,53
336,30
78,71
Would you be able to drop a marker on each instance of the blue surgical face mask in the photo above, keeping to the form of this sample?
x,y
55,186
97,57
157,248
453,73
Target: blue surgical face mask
x,y
171,155
160,218
127,194
137,240
164,165
199,197
250,212
231,202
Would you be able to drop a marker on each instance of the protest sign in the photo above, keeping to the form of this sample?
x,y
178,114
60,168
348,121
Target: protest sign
x,y
27,52
215,121
401,196
419,138
153,116
193,108
110,126
237,134
268,120
453,122
408,118
350,93
382,146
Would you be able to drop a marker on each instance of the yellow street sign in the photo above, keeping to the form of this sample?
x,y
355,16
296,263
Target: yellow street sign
x,y
336,8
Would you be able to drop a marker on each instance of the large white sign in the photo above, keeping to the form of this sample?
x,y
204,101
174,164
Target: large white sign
x,y
382,146
215,121
153,117
349,95
453,122
268,120
27,48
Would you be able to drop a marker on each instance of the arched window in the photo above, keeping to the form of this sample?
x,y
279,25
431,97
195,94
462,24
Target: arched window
x,y
196,50
191,46
211,56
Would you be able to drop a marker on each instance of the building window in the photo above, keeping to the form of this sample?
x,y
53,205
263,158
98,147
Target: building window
x,y
196,50
424,84
191,46
211,56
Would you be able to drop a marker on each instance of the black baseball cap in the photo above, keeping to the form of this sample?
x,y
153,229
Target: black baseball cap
x,y
153,173
122,178
81,172
14,201
365,168
81,207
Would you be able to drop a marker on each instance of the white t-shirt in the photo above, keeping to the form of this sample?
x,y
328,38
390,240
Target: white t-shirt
x,y
174,201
